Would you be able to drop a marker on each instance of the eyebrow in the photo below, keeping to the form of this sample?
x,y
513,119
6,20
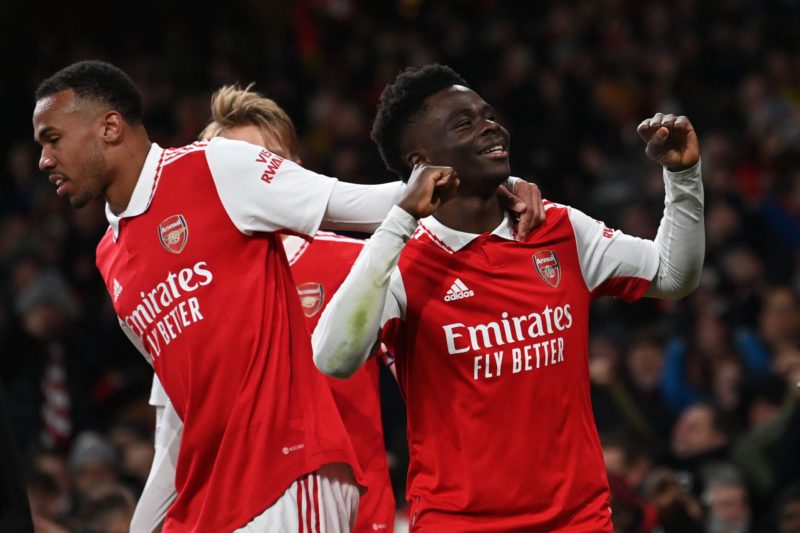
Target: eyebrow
x,y
42,133
466,110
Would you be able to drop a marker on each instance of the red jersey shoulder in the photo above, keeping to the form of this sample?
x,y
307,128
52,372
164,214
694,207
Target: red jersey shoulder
x,y
556,215
173,154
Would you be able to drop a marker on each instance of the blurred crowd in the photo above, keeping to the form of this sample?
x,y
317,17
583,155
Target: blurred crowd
x,y
697,402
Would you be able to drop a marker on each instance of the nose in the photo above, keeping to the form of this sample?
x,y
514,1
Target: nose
x,y
46,162
490,126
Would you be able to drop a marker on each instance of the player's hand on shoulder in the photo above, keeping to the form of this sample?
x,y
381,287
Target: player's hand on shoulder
x,y
671,141
525,204
429,187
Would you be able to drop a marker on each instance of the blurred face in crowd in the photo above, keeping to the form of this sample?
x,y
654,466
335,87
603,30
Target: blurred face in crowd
x,y
694,433
787,362
615,460
45,322
729,510
645,366
725,377
780,316
459,129
71,132
603,361
790,517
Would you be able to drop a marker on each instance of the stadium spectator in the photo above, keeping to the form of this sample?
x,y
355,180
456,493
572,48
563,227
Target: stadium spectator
x,y
725,496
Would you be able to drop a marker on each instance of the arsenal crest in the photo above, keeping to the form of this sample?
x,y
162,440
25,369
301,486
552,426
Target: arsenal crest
x,y
173,233
312,296
547,266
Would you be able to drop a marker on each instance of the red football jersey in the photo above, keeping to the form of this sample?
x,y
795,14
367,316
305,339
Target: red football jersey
x,y
319,268
197,273
490,340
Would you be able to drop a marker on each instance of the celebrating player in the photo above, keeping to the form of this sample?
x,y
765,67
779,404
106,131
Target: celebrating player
x,y
318,268
490,334
200,281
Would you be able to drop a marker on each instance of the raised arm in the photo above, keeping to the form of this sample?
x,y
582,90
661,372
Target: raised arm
x,y
680,241
348,330
353,207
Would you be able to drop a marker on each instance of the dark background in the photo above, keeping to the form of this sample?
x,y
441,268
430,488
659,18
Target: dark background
x,y
570,80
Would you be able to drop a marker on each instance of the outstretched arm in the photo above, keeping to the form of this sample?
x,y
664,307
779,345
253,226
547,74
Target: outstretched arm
x,y
354,207
680,241
348,329
262,192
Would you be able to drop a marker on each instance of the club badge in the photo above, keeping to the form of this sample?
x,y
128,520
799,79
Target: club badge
x,y
173,233
547,266
312,297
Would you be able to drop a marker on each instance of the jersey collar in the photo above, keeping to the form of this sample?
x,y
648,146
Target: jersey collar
x,y
142,192
454,240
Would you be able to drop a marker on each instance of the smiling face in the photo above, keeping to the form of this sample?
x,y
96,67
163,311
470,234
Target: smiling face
x,y
458,129
70,133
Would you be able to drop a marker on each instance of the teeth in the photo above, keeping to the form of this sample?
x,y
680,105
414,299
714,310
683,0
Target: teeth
x,y
496,148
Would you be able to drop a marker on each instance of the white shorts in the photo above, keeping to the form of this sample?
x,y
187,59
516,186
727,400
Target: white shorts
x,y
325,501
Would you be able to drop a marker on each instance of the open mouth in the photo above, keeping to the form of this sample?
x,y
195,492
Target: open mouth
x,y
59,181
496,151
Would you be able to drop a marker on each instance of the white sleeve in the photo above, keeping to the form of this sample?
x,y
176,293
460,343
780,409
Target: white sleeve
x,y
348,329
355,207
617,264
681,238
158,396
612,263
263,192
159,490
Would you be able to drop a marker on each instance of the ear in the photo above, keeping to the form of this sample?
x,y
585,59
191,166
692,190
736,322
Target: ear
x,y
112,124
414,158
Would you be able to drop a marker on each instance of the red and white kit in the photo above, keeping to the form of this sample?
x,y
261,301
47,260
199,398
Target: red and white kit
x,y
319,268
490,337
199,278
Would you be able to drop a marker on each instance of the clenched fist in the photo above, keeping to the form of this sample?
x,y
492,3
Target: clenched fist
x,y
670,140
429,187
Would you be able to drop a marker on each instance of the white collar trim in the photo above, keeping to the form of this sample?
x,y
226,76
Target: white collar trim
x,y
142,192
453,240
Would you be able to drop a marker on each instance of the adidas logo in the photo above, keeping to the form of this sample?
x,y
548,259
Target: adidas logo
x,y
458,291
117,290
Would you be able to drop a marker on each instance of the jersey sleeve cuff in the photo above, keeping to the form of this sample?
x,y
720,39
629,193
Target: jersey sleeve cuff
x,y
689,174
400,222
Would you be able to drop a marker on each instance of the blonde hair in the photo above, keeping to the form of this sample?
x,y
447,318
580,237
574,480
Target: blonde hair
x,y
232,107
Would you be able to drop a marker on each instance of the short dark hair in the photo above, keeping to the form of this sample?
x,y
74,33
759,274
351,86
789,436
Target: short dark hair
x,y
99,82
401,102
